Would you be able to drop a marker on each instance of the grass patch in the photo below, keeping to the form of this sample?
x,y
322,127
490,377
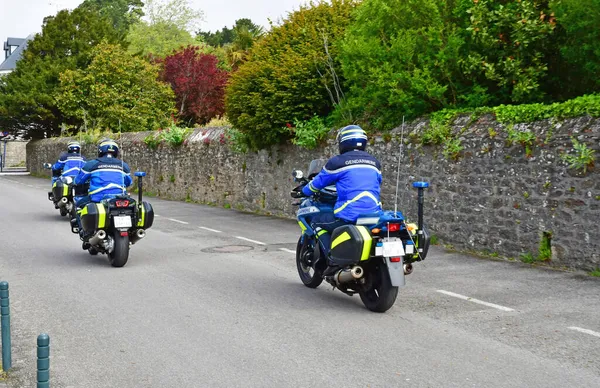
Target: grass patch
x,y
595,273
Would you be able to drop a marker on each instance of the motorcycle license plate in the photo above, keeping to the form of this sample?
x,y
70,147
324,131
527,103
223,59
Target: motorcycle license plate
x,y
122,222
393,248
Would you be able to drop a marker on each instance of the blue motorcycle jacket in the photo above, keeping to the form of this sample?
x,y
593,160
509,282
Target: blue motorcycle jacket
x,y
69,164
357,178
108,177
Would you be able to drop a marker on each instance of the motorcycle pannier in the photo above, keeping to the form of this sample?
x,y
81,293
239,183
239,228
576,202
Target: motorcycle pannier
x,y
93,217
351,244
59,190
145,215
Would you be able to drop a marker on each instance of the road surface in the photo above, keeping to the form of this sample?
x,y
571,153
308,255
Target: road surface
x,y
211,298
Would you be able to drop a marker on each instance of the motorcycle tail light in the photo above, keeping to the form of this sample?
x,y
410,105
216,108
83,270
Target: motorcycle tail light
x,y
122,203
394,227
395,259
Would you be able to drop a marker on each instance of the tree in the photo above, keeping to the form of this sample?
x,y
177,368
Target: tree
x,y
578,38
285,76
399,58
27,94
508,47
198,83
227,35
167,29
122,13
117,90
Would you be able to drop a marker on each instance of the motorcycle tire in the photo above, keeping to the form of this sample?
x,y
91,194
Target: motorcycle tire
x,y
381,295
120,253
303,251
93,251
63,211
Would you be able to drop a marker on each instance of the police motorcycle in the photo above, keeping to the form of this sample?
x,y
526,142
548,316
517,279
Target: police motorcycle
x,y
372,256
62,192
112,225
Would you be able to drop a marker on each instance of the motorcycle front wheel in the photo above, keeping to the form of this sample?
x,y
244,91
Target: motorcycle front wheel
x,y
380,295
304,261
120,253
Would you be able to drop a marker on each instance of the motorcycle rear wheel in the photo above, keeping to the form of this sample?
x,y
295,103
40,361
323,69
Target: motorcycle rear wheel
x,y
310,276
120,253
381,295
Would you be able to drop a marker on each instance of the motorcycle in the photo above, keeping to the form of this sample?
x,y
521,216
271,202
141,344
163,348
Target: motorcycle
x,y
112,225
372,256
62,193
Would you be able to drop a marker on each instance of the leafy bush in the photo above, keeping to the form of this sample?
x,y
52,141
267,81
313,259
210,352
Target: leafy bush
x,y
309,133
397,57
288,75
582,159
172,135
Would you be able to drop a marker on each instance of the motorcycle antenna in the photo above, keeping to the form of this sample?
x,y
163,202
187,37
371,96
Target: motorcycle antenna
x,y
398,170
122,158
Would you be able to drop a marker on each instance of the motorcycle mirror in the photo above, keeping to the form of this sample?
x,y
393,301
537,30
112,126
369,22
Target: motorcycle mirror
x,y
47,166
297,174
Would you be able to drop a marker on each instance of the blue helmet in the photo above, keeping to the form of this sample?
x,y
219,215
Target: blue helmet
x,y
352,137
108,146
73,147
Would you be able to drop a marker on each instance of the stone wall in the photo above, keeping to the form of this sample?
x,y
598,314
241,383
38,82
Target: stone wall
x,y
15,153
493,198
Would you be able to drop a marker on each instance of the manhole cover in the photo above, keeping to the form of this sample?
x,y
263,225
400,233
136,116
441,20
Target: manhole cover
x,y
228,249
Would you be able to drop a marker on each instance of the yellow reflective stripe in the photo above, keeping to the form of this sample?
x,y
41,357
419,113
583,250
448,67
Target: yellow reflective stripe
x,y
83,211
101,215
321,232
340,239
366,253
302,226
311,187
54,185
359,196
65,190
141,220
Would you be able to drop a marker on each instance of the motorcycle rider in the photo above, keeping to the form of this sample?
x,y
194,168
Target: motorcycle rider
x,y
108,176
357,177
69,163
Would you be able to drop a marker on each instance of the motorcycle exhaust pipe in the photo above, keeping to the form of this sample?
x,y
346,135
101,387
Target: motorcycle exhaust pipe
x,y
63,202
97,238
348,275
408,269
139,234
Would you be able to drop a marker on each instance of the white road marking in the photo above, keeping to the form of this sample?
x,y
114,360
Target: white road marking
x,y
586,331
475,300
210,230
156,215
180,222
287,250
252,241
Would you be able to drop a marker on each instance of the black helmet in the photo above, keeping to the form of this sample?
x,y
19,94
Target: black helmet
x,y
73,147
106,147
352,137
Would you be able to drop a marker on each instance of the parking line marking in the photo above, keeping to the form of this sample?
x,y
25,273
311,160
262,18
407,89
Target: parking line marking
x,y
287,250
181,222
252,241
475,300
586,331
210,230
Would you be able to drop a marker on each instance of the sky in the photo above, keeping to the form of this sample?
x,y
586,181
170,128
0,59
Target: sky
x,y
19,18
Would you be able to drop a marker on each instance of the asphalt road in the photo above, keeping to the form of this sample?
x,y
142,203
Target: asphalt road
x,y
200,305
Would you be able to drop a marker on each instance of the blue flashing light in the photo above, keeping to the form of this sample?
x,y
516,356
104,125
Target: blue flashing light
x,y
140,173
420,185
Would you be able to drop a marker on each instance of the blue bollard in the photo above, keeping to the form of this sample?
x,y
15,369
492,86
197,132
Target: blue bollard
x,y
5,322
43,361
